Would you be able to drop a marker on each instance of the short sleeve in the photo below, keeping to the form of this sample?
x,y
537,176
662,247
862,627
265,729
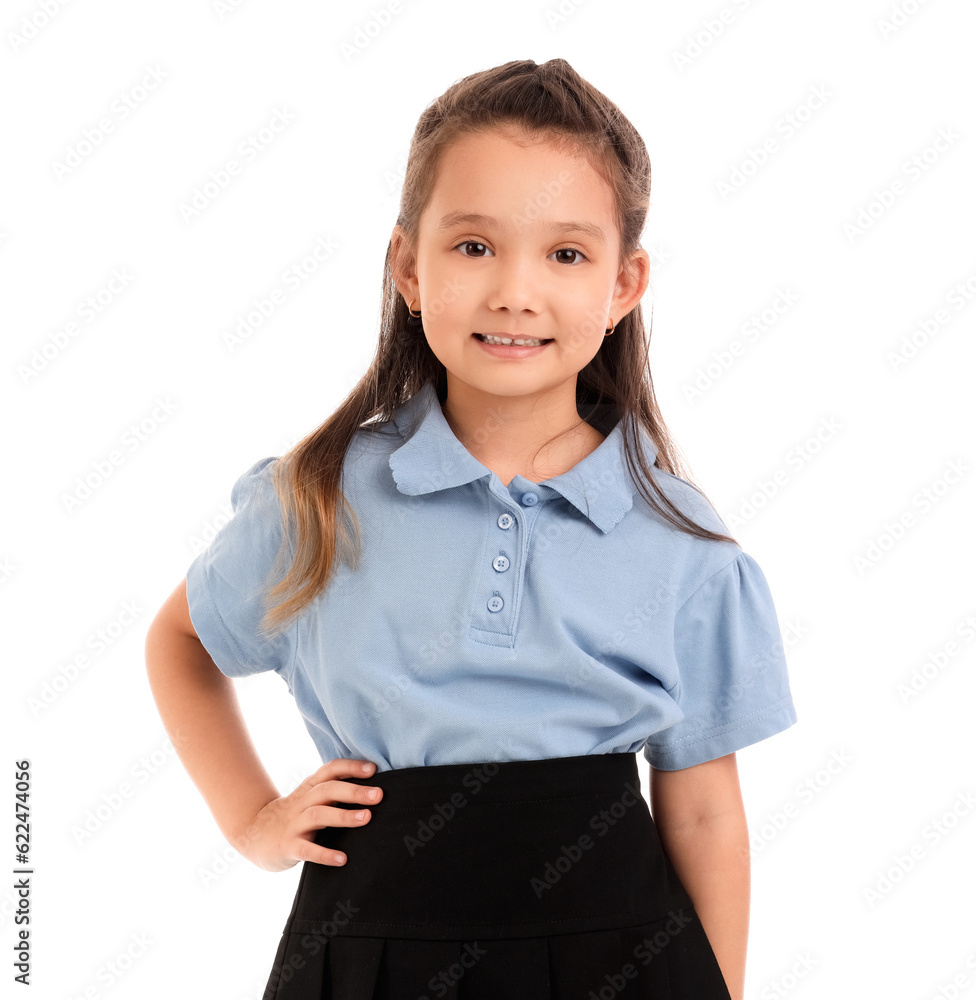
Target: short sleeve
x,y
733,688
225,583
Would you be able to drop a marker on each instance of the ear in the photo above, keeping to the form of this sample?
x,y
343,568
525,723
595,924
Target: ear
x,y
632,281
403,266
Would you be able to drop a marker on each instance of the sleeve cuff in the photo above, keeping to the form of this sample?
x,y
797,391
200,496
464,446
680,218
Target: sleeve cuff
x,y
209,626
724,739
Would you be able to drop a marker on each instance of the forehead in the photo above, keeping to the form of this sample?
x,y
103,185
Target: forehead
x,y
519,180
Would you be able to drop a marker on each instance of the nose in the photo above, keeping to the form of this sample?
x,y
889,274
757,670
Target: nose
x,y
515,286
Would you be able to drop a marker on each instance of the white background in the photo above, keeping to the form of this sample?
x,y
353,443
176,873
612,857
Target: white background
x,y
111,868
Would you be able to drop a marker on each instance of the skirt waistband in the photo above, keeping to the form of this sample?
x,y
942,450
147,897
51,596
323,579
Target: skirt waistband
x,y
505,781
494,850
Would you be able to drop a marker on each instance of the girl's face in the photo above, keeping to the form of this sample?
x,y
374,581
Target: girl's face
x,y
519,240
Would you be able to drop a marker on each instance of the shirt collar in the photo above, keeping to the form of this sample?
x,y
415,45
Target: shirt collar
x,y
432,458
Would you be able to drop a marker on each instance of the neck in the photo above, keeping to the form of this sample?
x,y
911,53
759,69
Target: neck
x,y
538,436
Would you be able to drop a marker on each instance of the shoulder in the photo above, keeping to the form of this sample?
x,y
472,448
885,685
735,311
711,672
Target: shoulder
x,y
370,449
689,500
256,502
691,558
685,498
375,438
634,442
254,482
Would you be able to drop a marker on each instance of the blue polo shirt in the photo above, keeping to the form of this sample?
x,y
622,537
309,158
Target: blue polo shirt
x,y
488,622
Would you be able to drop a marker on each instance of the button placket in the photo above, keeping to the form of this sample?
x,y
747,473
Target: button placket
x,y
502,601
500,564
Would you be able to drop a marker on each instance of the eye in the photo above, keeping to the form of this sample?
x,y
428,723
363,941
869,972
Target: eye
x,y
473,243
570,250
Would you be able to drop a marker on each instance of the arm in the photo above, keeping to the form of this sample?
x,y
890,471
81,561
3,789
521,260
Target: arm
x,y
201,714
701,820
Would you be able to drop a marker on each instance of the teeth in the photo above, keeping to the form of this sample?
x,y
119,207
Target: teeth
x,y
521,342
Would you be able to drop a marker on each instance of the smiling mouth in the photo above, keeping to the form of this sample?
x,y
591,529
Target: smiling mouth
x,y
513,341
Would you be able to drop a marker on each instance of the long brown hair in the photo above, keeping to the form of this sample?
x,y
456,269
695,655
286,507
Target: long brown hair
x,y
548,100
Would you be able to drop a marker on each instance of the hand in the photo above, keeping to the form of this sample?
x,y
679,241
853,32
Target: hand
x,y
283,831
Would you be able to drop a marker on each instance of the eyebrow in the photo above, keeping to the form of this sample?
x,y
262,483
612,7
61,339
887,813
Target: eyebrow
x,y
453,219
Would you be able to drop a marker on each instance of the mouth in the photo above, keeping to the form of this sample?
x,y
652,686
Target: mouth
x,y
503,341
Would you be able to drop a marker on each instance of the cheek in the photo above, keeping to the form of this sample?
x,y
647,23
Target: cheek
x,y
445,317
582,317
444,329
579,298
584,346
449,294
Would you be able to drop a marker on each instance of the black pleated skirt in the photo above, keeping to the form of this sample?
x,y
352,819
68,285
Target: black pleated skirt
x,y
515,880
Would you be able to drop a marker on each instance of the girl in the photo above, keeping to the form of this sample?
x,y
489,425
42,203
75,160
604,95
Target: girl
x,y
487,587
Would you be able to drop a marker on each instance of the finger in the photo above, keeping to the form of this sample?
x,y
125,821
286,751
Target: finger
x,y
307,850
342,767
308,789
338,791
325,816
353,767
333,783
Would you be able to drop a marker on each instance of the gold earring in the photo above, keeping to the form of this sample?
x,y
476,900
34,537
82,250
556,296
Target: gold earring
x,y
415,315
608,332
